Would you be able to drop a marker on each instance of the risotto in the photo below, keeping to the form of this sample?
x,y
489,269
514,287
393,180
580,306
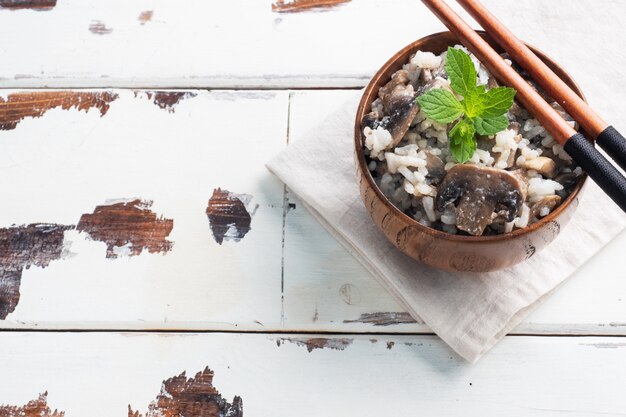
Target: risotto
x,y
513,178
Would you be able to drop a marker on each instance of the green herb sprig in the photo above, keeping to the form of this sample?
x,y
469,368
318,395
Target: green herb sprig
x,y
481,111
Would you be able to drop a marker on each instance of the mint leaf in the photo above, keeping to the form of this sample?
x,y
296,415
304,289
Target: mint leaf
x,y
498,101
488,126
474,102
461,71
440,105
462,142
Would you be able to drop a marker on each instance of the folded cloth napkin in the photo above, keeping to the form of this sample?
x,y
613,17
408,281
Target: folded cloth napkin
x,y
470,312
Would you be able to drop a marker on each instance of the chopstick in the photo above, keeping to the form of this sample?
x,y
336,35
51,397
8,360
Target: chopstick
x,y
575,144
607,137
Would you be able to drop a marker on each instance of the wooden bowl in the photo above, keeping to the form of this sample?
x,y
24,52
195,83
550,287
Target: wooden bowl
x,y
439,249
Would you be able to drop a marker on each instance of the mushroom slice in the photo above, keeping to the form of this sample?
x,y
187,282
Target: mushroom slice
x,y
518,112
436,168
542,164
372,121
548,203
438,82
567,179
399,104
478,192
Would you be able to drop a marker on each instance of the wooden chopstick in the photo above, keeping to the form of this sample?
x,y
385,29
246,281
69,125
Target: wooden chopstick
x,y
576,145
606,136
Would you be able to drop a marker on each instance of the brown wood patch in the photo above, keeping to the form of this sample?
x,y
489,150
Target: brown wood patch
x,y
166,100
291,6
21,247
193,397
384,319
34,408
28,4
99,28
145,16
128,226
18,106
229,215
318,343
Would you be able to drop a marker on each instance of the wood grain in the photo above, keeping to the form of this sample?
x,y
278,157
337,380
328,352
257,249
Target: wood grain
x,y
291,6
73,162
22,247
165,53
18,106
195,396
28,4
99,28
34,408
131,262
375,375
128,225
325,288
228,215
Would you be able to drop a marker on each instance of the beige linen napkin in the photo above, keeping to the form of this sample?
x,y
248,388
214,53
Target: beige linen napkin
x,y
470,312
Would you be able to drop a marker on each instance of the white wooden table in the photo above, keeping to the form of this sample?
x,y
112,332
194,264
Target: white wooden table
x,y
121,281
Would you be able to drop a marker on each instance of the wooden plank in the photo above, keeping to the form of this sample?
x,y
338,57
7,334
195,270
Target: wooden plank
x,y
523,376
138,209
242,43
60,167
325,288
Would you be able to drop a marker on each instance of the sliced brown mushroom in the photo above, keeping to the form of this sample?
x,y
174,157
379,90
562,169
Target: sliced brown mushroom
x,y
426,76
399,106
478,192
542,164
567,179
492,82
438,82
549,202
436,168
519,112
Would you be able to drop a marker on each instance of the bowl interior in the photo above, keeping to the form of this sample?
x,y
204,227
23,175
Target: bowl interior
x,y
438,43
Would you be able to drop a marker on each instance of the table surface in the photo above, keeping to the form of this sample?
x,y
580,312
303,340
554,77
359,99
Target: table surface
x,y
142,236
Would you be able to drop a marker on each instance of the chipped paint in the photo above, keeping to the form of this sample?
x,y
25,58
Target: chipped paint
x,y
230,215
145,16
290,6
34,408
166,100
128,228
98,28
384,319
39,5
390,344
18,106
20,248
197,397
318,343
